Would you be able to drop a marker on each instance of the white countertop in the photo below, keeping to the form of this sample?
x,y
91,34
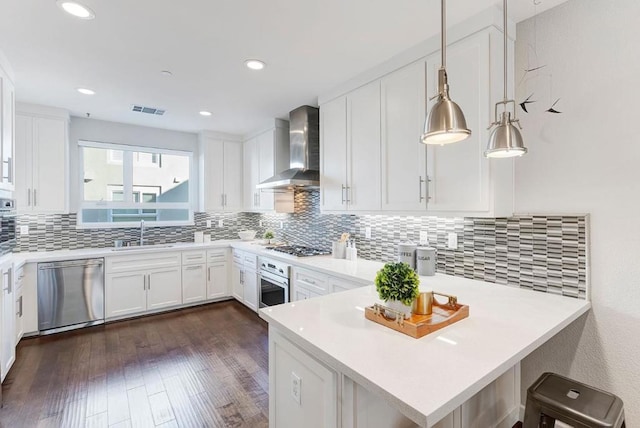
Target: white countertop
x,y
427,378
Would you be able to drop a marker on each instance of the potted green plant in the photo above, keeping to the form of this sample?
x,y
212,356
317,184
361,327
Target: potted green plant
x,y
397,284
268,236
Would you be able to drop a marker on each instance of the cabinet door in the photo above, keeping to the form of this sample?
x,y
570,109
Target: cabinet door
x,y
237,289
496,405
363,155
23,162
125,294
250,282
49,165
300,293
266,160
403,154
7,96
460,172
251,174
8,351
333,154
164,288
217,281
194,283
213,172
19,318
233,176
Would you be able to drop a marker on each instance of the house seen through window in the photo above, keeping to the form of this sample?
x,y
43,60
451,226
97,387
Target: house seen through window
x,y
122,185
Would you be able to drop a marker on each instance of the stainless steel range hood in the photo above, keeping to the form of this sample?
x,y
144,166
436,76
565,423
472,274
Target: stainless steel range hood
x,y
304,152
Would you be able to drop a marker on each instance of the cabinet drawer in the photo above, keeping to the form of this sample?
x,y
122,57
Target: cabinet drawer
x,y
216,256
19,278
238,256
193,257
312,281
250,261
140,262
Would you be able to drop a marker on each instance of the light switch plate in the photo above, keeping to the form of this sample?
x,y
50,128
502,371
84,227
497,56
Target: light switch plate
x,y
24,230
367,232
220,223
282,225
260,223
424,237
296,388
452,242
208,223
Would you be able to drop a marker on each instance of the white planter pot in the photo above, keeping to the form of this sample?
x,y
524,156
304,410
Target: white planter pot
x,y
397,305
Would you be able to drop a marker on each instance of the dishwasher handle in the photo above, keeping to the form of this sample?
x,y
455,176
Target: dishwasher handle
x,y
71,263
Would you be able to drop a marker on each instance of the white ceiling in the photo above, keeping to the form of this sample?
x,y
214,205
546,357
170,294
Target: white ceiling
x,y
310,46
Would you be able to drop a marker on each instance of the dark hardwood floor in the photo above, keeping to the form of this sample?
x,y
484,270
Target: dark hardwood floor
x,y
199,367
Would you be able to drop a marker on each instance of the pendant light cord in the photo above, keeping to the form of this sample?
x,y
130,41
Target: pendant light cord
x,y
504,30
443,34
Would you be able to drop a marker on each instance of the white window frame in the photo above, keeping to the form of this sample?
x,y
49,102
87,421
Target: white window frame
x,y
128,189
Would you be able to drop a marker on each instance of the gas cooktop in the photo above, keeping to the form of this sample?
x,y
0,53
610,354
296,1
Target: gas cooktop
x,y
299,250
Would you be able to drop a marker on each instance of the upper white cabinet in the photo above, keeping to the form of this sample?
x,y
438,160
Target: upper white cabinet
x,y
265,154
221,174
404,157
7,130
380,140
350,151
41,159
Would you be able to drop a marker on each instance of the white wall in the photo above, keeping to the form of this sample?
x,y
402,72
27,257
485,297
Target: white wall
x,y
120,133
587,160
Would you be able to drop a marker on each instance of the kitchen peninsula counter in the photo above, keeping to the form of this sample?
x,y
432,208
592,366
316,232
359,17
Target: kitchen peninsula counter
x,y
426,379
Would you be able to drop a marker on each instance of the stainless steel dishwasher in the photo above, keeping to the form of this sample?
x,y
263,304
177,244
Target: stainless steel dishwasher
x,y
70,295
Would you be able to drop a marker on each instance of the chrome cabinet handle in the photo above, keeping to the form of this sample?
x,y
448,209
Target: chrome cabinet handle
x,y
19,313
225,200
428,180
149,282
241,277
420,181
35,200
342,193
194,267
28,197
209,274
348,193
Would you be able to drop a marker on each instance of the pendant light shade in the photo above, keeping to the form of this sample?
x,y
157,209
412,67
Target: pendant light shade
x,y
506,140
445,123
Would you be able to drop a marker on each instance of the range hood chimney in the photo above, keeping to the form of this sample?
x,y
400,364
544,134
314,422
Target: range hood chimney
x,y
304,152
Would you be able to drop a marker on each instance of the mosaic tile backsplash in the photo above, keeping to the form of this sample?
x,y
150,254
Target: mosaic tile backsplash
x,y
545,253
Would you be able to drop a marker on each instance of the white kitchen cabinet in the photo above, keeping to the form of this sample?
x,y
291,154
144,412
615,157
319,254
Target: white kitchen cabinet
x,y
141,283
308,283
19,302
495,406
350,151
221,169
194,283
41,183
244,278
404,156
7,318
217,274
302,391
7,130
265,154
336,284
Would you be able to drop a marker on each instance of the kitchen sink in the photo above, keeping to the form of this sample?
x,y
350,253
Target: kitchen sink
x,y
143,247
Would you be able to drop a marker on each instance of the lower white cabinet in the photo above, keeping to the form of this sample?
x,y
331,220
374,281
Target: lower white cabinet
x,y
217,274
194,283
135,284
308,283
244,279
19,281
7,328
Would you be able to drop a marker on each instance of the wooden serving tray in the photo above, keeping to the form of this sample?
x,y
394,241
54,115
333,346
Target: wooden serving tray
x,y
417,326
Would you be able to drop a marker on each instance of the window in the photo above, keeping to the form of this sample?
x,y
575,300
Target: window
x,y
122,185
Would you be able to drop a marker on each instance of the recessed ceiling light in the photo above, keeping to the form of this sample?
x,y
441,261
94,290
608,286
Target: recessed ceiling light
x,y
86,91
76,9
254,64
205,113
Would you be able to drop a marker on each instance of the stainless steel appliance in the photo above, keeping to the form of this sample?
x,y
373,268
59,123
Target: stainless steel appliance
x,y
70,294
274,282
300,250
304,152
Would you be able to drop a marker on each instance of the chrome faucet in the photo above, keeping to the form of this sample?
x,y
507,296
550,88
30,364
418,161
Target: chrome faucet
x,y
141,233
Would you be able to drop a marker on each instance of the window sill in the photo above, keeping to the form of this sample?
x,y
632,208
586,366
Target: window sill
x,y
134,225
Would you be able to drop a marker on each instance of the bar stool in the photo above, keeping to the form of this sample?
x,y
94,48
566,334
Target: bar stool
x,y
553,397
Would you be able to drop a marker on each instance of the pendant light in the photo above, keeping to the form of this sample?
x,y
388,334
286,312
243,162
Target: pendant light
x,y
445,123
505,140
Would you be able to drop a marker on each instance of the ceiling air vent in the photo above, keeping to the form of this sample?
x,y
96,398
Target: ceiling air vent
x,y
148,110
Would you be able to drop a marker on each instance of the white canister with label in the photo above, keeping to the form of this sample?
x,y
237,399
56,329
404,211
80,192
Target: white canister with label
x,y
407,253
426,261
